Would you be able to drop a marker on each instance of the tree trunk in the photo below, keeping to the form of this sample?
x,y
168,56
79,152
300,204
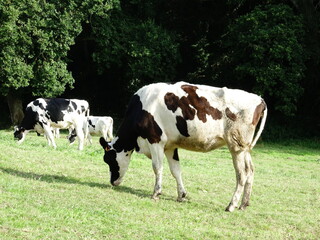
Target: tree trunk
x,y
16,109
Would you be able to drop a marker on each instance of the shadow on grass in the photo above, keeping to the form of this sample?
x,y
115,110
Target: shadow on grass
x,y
69,180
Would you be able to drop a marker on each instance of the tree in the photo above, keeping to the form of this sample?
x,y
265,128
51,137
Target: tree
x,y
142,51
310,103
35,37
265,48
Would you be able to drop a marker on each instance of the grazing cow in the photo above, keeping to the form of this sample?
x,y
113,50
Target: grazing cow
x,y
163,117
102,126
43,115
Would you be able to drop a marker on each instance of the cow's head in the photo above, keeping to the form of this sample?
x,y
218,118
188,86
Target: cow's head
x,y
118,161
19,133
72,136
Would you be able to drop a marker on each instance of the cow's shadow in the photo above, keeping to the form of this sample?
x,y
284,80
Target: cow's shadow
x,y
70,180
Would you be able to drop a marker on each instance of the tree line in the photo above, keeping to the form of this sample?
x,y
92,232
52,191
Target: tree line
x,y
104,50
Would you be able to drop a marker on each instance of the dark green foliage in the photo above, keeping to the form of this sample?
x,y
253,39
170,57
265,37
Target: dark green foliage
x,y
35,39
33,53
266,47
144,51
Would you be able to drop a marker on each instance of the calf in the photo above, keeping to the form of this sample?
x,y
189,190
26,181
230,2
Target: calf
x,y
162,118
42,115
102,126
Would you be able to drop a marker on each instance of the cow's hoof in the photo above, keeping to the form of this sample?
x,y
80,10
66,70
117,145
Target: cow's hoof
x,y
182,198
155,196
243,206
230,208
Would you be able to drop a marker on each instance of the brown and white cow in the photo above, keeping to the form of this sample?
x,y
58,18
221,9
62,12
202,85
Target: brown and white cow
x,y
163,117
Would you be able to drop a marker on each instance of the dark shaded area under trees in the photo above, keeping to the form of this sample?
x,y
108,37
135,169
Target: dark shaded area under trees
x,y
268,47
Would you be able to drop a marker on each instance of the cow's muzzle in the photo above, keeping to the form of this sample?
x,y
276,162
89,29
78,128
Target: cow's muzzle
x,y
117,182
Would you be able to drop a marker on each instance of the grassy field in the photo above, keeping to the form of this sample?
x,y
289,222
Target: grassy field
x,y
65,194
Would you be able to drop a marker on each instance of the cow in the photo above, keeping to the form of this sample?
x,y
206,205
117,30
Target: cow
x,y
96,125
45,114
162,117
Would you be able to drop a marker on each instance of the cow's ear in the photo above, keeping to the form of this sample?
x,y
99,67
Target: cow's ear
x,y
104,144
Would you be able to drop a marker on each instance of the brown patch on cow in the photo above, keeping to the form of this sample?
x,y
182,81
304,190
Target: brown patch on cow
x,y
191,105
187,111
182,126
148,128
201,104
172,101
258,113
231,115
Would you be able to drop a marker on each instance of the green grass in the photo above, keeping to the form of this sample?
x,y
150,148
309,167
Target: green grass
x,y
65,194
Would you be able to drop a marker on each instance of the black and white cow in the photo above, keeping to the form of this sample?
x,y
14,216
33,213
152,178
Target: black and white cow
x,y
163,117
96,125
42,115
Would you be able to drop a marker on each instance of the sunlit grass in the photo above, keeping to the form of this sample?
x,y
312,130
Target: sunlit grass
x,y
65,194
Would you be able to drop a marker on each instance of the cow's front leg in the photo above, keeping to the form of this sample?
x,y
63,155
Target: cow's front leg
x,y
174,164
241,176
157,165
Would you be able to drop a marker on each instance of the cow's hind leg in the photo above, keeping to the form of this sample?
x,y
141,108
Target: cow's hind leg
x,y
80,136
157,154
49,135
241,176
248,185
174,164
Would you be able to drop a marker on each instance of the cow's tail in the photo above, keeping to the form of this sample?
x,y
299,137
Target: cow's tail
x,y
262,124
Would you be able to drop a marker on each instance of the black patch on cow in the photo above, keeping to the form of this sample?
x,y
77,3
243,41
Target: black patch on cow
x,y
18,133
54,108
182,126
72,136
175,155
110,159
91,124
28,122
137,148
137,122
30,119
83,109
38,104
42,123
74,105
